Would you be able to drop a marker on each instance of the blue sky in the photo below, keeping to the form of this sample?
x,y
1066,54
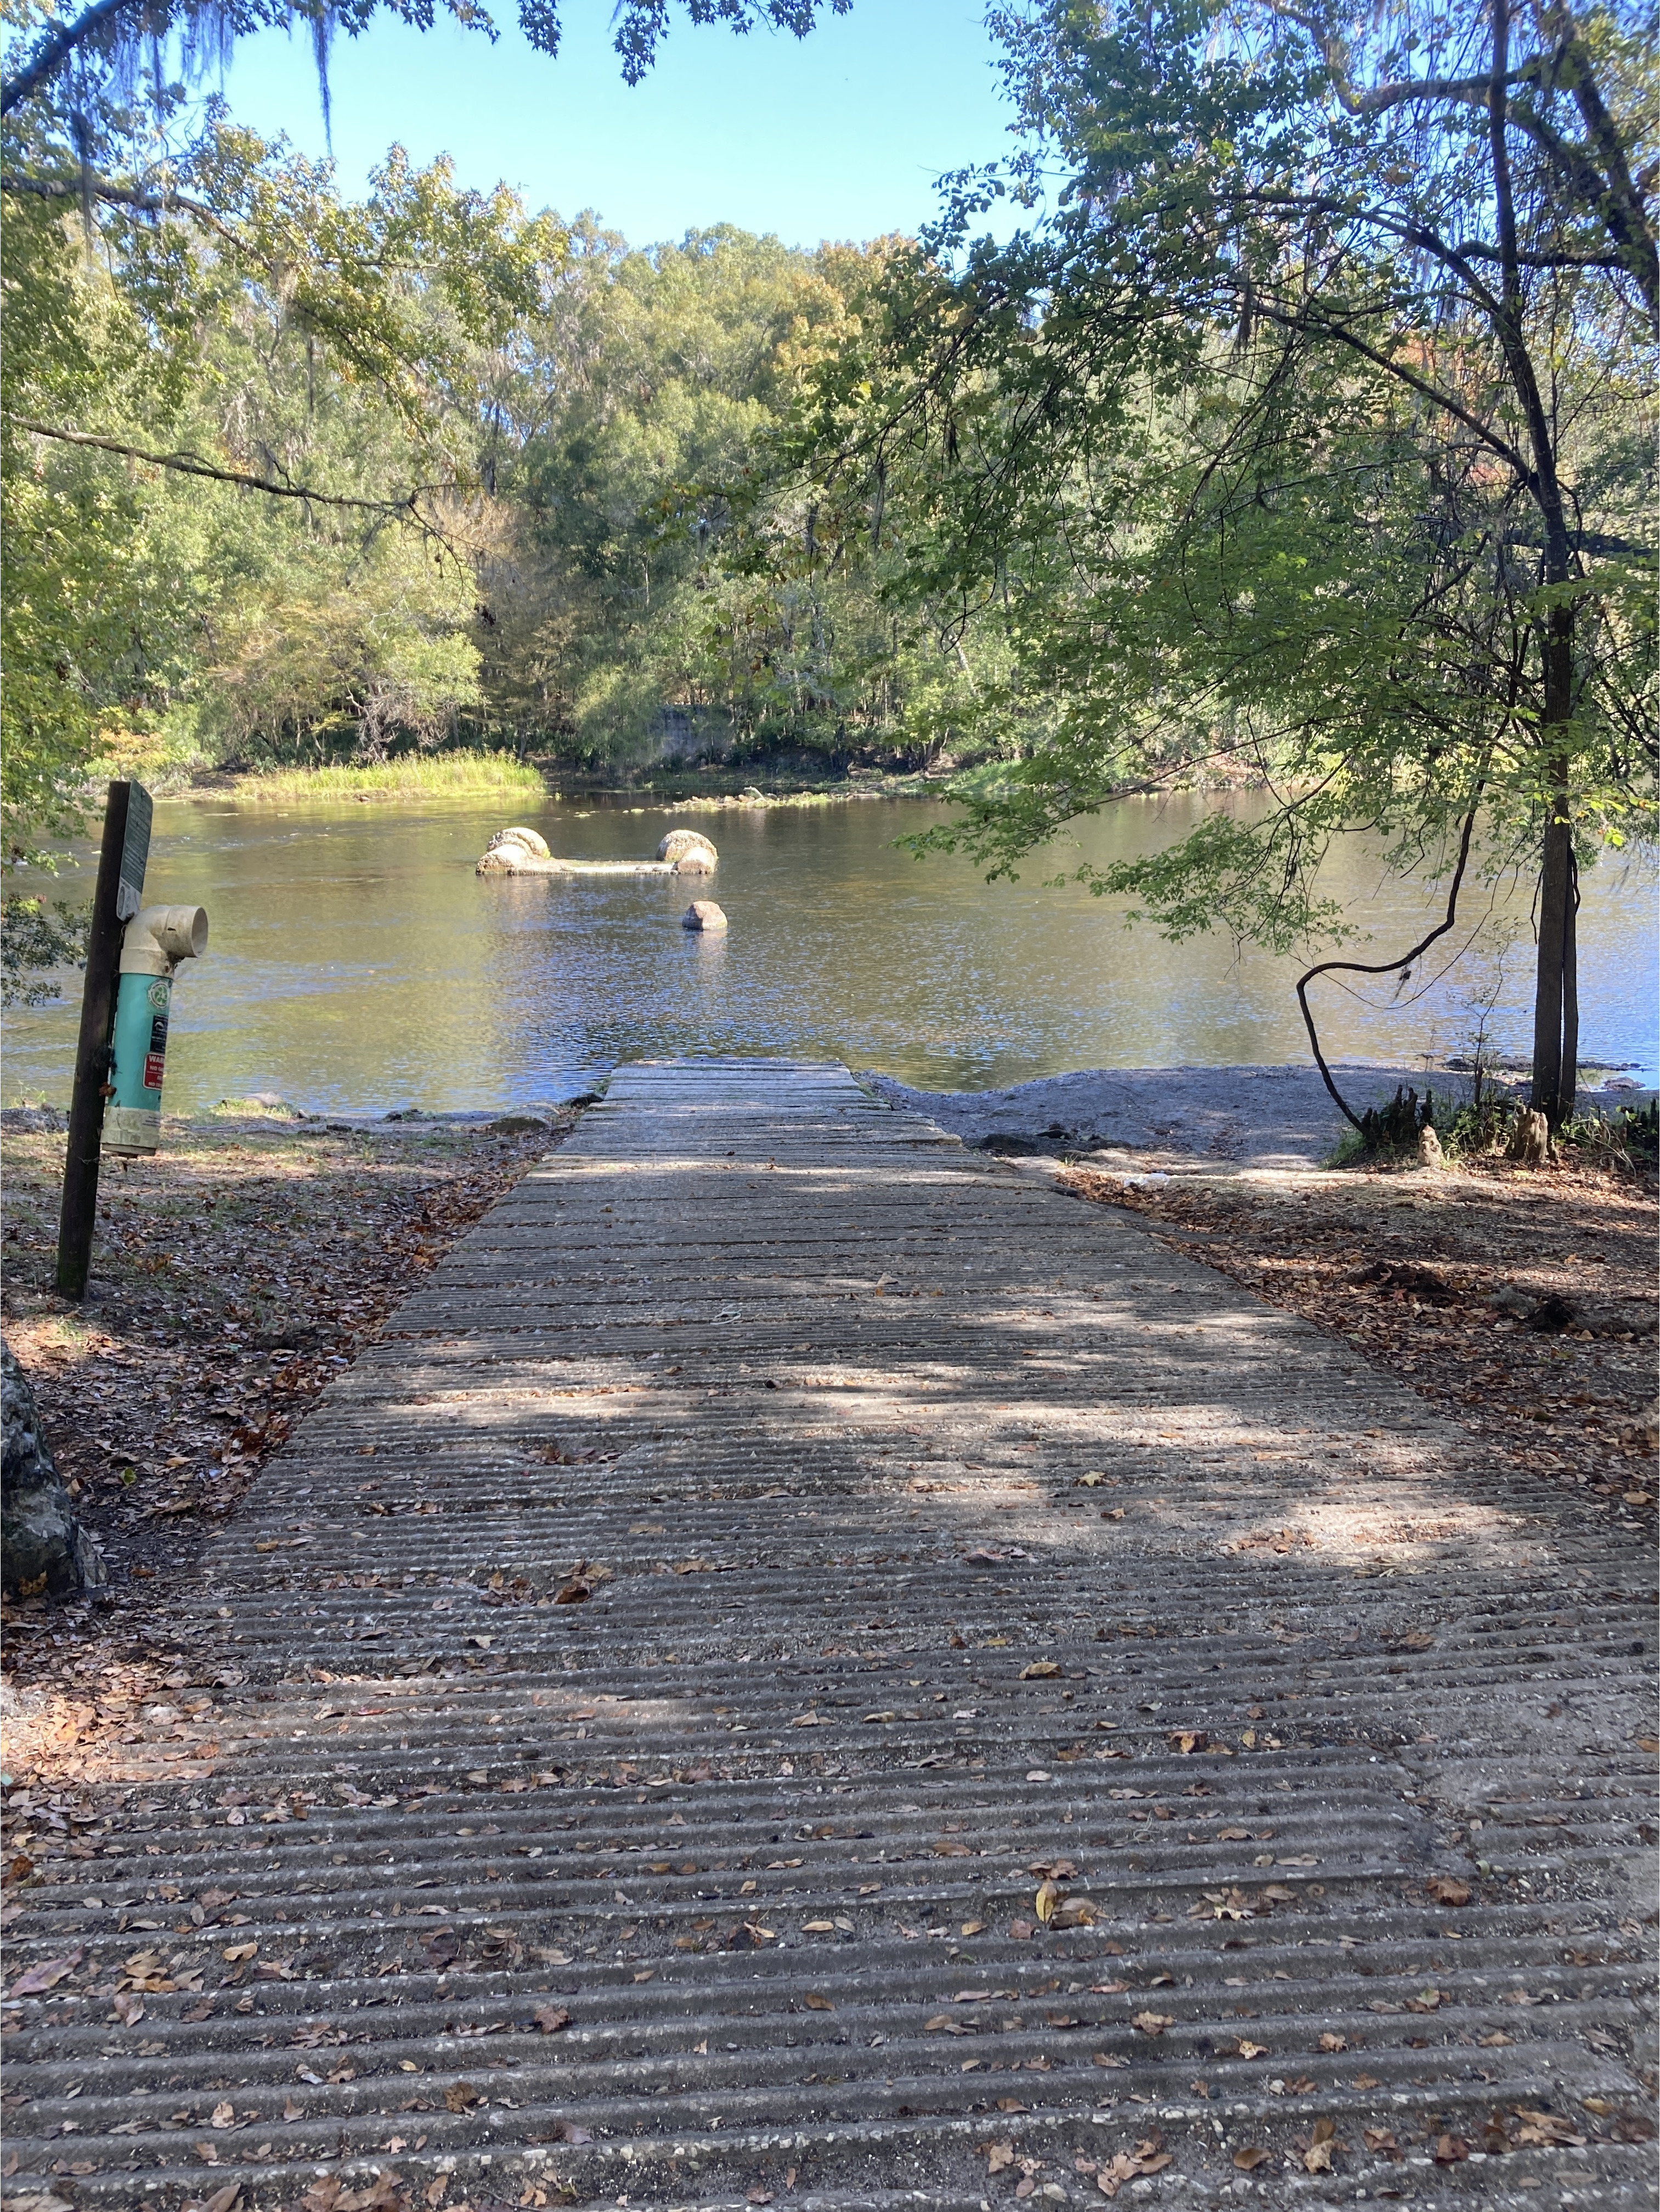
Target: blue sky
x,y
839,136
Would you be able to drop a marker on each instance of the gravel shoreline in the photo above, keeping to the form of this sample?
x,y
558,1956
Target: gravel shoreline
x,y
1248,1117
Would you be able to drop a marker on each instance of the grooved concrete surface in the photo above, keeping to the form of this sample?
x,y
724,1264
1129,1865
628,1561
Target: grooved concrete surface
x,y
943,1536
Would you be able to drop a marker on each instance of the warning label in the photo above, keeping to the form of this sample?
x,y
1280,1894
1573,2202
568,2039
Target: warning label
x,y
154,1064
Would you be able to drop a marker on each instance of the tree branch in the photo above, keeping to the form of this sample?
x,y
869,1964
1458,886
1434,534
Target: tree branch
x,y
1384,967
60,188
57,49
191,464
1288,319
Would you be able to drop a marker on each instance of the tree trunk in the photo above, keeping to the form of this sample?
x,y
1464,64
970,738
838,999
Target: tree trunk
x,y
1556,990
1552,1068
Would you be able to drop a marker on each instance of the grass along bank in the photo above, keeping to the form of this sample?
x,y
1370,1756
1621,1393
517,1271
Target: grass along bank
x,y
411,776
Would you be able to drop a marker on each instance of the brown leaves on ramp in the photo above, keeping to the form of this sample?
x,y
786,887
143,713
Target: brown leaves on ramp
x,y
385,2193
1447,1889
35,1980
1323,2143
1148,2156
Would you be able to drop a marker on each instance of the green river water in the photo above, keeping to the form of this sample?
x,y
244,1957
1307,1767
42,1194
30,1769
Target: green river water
x,y
357,963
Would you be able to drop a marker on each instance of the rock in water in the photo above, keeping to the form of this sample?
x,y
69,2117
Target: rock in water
x,y
515,851
1429,1154
704,915
688,851
42,1545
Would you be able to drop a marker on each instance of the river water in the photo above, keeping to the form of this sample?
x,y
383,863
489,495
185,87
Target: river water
x,y
357,963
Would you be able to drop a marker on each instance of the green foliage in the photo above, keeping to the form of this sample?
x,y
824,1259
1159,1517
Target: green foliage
x,y
35,939
1630,1139
657,572
1296,447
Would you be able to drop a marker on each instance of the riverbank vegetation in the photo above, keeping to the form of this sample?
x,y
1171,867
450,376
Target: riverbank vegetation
x,y
464,775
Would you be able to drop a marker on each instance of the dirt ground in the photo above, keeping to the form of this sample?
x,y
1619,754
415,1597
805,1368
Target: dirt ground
x,y
233,1275
1520,1302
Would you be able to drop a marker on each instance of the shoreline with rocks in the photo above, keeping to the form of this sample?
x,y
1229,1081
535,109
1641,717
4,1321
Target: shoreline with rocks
x,y
1249,1117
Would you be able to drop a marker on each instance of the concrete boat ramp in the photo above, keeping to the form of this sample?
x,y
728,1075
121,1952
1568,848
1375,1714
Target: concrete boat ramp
x,y
810,1669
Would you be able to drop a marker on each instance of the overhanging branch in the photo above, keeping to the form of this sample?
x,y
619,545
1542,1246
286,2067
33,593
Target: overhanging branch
x,y
192,464
55,50
1382,967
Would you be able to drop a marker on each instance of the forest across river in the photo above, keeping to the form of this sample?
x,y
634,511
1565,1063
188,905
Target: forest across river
x,y
357,964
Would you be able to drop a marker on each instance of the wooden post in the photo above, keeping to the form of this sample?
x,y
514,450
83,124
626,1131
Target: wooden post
x,y
118,896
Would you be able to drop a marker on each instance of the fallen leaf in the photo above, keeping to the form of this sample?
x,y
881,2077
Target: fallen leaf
x,y
1330,2042
814,2003
999,2155
1249,2161
1048,1896
1154,2023
1546,2128
1446,1889
461,2096
47,1976
1251,2049
1040,1670
222,2116
235,1952
550,2018
1449,2150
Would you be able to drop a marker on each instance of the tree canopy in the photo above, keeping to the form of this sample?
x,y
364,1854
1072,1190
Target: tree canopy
x,y
1309,438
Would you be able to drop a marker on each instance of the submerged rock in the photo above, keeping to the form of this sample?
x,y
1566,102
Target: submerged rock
x,y
703,915
42,1545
